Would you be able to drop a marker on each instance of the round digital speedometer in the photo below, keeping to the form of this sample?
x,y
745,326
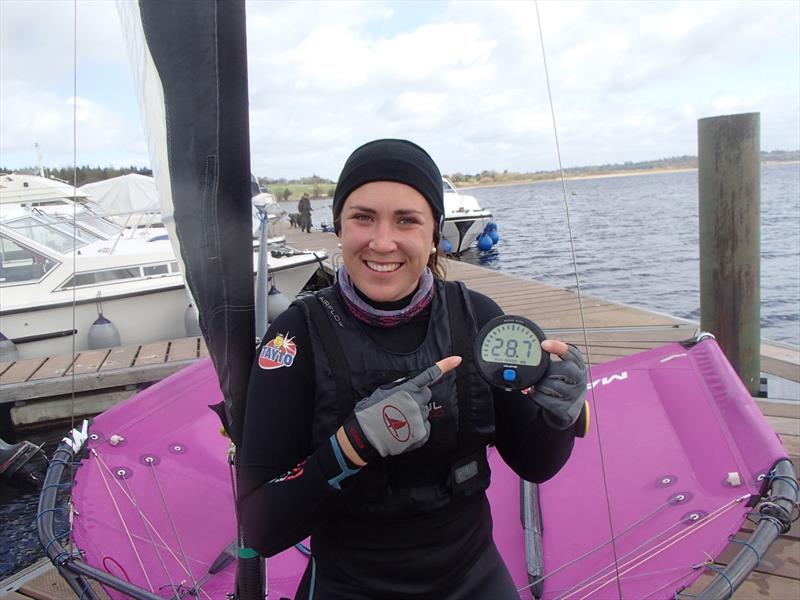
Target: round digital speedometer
x,y
509,353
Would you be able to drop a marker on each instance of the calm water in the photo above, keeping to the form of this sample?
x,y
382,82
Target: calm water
x,y
636,242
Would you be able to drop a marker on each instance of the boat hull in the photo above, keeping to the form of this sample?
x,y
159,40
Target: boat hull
x,y
462,231
140,316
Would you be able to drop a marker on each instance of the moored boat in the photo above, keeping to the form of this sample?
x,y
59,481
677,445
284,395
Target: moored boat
x,y
464,220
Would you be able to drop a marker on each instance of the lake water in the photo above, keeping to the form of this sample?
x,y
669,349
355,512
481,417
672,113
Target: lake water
x,y
636,241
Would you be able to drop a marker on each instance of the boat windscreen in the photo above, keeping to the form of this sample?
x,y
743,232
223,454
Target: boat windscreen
x,y
100,224
55,239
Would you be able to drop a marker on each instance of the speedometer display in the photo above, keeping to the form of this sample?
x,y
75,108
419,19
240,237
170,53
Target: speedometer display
x,y
508,352
512,343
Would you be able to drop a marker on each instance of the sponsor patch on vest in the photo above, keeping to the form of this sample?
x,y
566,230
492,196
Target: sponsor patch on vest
x,y
278,352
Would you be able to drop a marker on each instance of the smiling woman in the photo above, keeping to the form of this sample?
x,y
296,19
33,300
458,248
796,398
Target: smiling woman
x,y
374,437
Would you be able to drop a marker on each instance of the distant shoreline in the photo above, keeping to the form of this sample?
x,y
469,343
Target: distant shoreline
x,y
610,174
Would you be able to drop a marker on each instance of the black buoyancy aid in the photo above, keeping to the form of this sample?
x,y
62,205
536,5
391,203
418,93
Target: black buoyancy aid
x,y
452,464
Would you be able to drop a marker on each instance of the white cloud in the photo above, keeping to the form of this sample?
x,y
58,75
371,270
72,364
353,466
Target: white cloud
x,y
465,79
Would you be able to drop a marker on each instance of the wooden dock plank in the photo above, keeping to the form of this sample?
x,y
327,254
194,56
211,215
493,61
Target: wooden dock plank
x,y
89,361
779,409
785,425
151,354
21,370
5,366
54,366
758,586
120,358
183,349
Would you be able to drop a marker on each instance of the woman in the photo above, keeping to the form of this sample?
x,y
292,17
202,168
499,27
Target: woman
x,y
347,438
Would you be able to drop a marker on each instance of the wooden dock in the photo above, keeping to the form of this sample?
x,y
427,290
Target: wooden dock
x,y
612,331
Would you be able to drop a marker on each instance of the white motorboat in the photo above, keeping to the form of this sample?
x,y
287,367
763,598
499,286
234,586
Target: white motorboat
x,y
58,273
464,220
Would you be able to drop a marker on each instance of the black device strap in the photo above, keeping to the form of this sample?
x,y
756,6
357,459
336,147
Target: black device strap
x,y
336,357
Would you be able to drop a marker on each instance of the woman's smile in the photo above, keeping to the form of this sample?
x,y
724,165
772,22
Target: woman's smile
x,y
383,267
386,236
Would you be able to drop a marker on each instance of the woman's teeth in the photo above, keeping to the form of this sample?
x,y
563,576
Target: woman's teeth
x,y
383,267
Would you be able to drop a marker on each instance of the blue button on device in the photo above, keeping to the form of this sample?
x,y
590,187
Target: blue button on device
x,y
509,374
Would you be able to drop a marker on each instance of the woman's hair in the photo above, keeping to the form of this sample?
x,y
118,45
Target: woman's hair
x,y
436,264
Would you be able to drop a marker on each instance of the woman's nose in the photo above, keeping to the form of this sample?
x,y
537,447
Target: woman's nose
x,y
383,239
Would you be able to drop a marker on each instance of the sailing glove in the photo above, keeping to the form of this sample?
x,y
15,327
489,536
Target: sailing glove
x,y
394,418
562,390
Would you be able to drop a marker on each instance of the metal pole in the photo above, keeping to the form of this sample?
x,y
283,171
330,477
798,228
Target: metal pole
x,y
729,182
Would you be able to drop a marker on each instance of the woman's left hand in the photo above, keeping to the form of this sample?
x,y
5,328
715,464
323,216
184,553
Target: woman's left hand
x,y
562,390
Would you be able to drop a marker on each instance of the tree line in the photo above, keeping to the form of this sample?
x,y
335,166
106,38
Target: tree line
x,y
319,187
82,175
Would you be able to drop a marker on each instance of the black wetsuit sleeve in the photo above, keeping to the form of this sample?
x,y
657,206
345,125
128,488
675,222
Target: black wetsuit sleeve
x,y
283,482
533,449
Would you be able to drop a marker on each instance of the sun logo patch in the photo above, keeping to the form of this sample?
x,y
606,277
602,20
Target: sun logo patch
x,y
278,352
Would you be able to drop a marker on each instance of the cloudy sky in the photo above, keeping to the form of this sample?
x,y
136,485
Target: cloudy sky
x,y
464,79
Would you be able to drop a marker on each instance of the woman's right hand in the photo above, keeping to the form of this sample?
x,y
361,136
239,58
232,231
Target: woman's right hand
x,y
394,418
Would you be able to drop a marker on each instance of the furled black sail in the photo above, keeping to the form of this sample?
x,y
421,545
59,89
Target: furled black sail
x,y
199,51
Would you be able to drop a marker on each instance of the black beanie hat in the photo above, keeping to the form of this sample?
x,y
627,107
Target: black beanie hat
x,y
391,160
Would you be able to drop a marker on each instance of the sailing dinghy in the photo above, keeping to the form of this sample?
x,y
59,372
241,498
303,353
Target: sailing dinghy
x,y
677,456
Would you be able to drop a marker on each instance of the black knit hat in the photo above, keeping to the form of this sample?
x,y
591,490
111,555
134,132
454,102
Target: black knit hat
x,y
391,160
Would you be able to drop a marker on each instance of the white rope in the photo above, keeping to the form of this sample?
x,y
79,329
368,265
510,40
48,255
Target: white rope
x,y
124,524
601,545
172,523
578,290
150,538
164,544
661,547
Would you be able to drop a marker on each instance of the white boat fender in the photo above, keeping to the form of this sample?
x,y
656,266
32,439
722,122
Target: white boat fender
x,y
277,302
8,349
191,321
103,334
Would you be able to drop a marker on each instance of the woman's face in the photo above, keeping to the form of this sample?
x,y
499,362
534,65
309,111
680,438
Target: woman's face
x,y
386,235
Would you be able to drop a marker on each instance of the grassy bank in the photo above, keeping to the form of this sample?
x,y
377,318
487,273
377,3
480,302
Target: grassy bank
x,y
294,191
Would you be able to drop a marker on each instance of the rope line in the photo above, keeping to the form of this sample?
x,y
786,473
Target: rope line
x,y
651,552
722,573
165,505
603,545
749,545
165,545
578,290
122,520
140,512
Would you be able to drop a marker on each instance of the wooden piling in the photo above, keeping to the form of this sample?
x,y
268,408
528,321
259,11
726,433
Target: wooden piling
x,y
729,182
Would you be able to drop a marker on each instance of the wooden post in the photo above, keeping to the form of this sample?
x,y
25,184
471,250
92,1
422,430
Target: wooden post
x,y
729,182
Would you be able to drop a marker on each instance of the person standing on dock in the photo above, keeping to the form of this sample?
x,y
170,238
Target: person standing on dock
x,y
367,423
304,208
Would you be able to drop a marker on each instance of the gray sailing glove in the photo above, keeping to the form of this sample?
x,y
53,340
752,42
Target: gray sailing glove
x,y
562,389
394,418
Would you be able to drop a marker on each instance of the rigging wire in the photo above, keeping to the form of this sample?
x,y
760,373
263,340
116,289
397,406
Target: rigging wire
x,y
580,298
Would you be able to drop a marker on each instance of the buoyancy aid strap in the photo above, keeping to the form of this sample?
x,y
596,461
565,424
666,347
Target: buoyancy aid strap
x,y
458,318
336,357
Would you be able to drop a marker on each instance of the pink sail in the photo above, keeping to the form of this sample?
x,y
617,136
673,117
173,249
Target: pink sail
x,y
683,445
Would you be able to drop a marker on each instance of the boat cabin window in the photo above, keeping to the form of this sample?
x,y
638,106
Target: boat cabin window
x,y
116,275
447,187
19,264
40,232
102,225
151,270
83,235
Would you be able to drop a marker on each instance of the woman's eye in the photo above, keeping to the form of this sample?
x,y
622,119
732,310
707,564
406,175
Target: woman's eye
x,y
408,221
361,217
